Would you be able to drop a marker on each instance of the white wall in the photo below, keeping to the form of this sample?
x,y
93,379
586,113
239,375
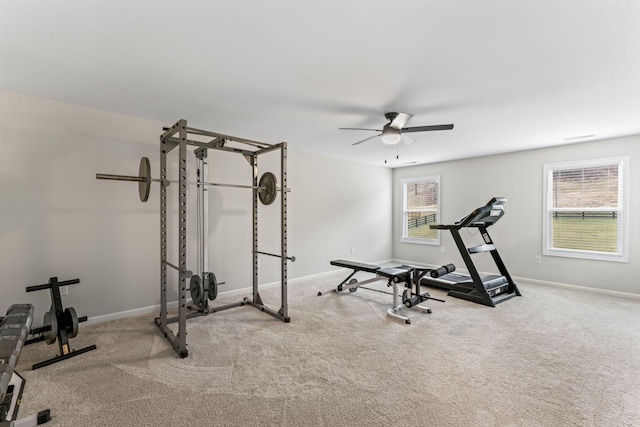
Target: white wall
x,y
468,184
56,219
333,206
337,205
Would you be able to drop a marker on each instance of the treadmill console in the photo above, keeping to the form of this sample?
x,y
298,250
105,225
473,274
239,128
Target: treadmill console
x,y
487,215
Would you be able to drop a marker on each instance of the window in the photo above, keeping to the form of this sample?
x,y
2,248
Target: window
x,y
586,209
420,209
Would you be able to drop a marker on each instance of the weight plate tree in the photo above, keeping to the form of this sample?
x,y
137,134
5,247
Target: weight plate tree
x,y
59,324
203,285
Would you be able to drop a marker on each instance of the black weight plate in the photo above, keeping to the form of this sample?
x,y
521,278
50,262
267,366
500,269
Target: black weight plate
x,y
351,282
213,286
267,188
71,321
51,334
144,172
195,286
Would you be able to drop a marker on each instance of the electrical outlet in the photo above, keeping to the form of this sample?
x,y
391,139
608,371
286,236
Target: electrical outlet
x,y
442,250
353,251
64,291
537,259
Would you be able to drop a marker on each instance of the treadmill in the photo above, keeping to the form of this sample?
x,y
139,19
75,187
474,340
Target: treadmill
x,y
488,290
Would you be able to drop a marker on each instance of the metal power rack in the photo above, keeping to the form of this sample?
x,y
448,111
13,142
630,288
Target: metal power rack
x,y
180,136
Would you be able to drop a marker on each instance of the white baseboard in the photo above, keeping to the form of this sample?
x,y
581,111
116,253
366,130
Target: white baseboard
x,y
174,304
128,313
156,308
541,282
577,288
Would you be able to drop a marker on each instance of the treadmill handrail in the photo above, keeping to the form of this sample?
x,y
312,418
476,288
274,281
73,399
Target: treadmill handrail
x,y
486,215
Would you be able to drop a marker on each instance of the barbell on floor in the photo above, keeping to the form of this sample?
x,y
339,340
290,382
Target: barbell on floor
x,y
267,186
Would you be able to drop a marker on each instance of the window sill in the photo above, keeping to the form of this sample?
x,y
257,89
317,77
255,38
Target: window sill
x,y
418,241
595,256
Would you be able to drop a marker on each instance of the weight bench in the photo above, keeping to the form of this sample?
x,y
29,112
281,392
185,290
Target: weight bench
x,y
14,330
402,275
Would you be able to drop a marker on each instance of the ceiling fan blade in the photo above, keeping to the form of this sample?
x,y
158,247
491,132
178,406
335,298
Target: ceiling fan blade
x,y
427,128
400,120
366,139
406,139
376,130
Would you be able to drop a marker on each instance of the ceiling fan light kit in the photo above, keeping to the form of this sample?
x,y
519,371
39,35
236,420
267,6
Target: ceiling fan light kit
x,y
390,135
392,132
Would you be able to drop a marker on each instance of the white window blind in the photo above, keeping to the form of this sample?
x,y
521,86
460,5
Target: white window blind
x,y
585,209
420,209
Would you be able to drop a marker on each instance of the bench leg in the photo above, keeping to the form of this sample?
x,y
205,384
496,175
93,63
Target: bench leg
x,y
343,286
394,311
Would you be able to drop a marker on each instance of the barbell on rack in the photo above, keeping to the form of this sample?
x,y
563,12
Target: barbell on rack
x,y
267,186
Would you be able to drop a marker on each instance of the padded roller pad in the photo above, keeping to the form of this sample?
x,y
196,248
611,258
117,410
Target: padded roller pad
x,y
369,268
401,274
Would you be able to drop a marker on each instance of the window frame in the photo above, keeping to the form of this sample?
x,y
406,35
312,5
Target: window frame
x,y
622,252
404,211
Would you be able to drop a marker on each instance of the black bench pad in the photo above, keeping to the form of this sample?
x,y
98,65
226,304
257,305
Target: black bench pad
x,y
369,268
402,274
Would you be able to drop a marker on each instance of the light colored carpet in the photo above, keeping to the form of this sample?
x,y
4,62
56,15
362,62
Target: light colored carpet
x,y
553,357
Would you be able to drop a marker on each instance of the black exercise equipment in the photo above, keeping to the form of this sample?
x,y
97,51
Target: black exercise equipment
x,y
488,290
59,323
201,290
405,274
14,330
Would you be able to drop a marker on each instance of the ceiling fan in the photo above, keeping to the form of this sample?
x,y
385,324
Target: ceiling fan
x,y
393,132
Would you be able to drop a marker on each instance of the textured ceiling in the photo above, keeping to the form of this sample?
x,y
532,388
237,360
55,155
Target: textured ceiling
x,y
511,75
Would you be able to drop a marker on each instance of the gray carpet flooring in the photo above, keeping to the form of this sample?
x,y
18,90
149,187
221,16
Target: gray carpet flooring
x,y
554,357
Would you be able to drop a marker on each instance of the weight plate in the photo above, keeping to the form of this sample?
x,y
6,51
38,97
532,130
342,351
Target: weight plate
x,y
50,321
71,321
195,286
351,282
144,172
267,188
213,286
